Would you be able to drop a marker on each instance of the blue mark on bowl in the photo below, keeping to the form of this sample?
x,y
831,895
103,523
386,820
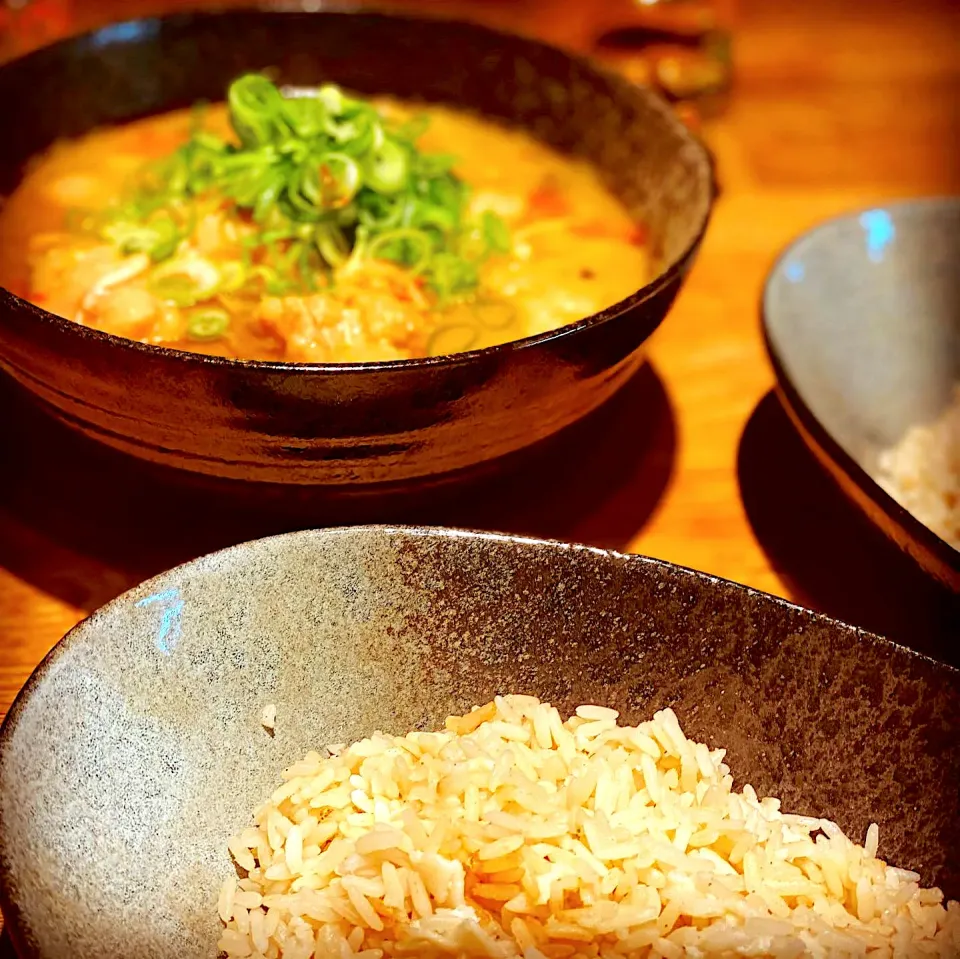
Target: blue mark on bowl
x,y
168,632
795,271
125,32
878,225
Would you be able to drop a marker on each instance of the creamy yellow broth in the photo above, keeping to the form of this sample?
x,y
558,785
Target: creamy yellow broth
x,y
575,251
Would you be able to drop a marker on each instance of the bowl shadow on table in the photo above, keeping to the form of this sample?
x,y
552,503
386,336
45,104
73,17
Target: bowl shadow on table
x,y
829,555
84,523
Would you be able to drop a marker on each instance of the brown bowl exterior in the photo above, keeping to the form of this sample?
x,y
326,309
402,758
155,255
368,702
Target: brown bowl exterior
x,y
135,750
366,423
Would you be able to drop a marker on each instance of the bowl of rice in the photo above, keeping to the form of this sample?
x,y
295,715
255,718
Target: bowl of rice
x,y
377,742
861,318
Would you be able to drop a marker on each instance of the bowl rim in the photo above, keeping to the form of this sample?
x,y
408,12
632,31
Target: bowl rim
x,y
8,902
939,557
111,33
437,533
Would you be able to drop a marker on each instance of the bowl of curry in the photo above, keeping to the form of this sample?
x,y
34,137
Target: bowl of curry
x,y
290,247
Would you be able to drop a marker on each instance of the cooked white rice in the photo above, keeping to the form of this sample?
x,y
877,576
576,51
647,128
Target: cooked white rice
x,y
922,472
515,834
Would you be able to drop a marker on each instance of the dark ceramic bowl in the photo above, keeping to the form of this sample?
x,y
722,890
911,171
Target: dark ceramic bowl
x,y
135,751
862,323
362,423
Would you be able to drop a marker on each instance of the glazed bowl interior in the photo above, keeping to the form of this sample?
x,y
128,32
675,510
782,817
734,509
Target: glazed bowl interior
x,y
137,750
864,314
351,424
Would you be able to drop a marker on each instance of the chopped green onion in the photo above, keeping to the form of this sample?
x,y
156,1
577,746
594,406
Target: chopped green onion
x,y
495,232
255,104
232,277
208,324
359,135
451,275
198,114
304,116
273,282
434,164
441,217
388,167
305,268
185,282
495,314
326,181
452,338
332,98
408,247
414,128
176,289
160,236
331,244
338,179
168,238
377,212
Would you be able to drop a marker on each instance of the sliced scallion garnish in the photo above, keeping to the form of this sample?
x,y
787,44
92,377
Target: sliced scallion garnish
x,y
185,282
452,338
324,179
387,168
495,314
407,246
208,324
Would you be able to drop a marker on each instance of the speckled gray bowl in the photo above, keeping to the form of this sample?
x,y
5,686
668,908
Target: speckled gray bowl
x,y
862,322
136,749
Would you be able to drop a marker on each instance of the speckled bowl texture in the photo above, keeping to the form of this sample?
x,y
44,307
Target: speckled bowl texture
x,y
862,323
136,749
365,423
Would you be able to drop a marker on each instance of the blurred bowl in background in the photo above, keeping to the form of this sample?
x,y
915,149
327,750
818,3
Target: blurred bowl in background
x,y
861,317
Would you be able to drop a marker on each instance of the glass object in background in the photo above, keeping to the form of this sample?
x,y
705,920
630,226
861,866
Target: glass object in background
x,y
682,47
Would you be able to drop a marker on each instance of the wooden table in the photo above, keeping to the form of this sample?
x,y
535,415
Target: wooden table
x,y
836,105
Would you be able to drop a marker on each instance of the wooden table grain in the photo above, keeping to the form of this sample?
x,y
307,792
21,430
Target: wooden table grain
x,y
835,106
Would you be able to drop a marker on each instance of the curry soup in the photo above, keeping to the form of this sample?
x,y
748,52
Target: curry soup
x,y
206,232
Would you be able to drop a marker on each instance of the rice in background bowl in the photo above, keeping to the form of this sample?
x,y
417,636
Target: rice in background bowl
x,y
922,472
